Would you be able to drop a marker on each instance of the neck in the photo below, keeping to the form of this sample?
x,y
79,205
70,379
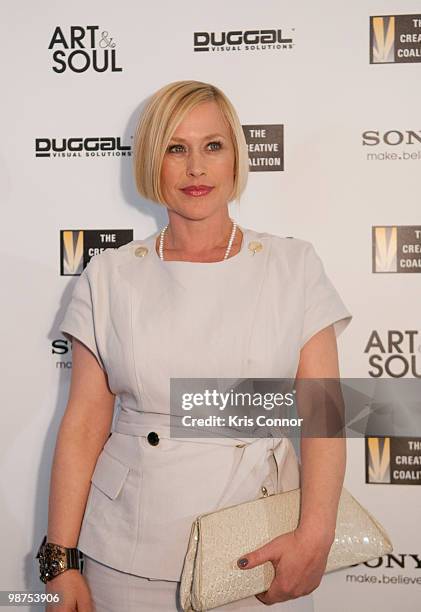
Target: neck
x,y
197,237
226,248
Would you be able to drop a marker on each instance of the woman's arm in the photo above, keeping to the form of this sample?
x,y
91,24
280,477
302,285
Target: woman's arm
x,y
83,432
323,460
300,557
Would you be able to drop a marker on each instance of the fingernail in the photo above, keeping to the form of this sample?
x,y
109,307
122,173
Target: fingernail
x,y
242,562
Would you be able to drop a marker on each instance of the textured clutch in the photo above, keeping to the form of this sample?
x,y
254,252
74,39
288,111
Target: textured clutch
x,y
211,577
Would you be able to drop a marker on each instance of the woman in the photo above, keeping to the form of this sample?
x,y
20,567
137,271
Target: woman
x,y
204,297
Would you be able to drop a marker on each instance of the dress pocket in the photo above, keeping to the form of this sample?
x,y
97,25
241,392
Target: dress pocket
x,y
113,493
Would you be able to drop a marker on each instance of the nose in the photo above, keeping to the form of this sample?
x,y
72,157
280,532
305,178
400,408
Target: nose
x,y
195,164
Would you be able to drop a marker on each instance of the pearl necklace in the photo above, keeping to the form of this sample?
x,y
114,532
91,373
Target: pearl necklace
x,y
227,252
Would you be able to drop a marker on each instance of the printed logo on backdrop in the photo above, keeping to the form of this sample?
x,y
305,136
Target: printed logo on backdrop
x,y
265,144
394,353
393,460
395,39
78,246
100,146
382,570
244,40
396,249
396,560
392,145
83,48
60,347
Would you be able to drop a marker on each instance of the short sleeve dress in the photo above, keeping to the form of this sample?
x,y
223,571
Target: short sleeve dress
x,y
148,320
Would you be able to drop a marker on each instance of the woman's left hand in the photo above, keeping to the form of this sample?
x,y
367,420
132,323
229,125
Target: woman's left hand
x,y
299,559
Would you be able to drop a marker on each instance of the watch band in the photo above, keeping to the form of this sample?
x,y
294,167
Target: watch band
x,y
55,559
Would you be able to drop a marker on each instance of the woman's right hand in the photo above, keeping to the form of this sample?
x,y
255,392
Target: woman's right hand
x,y
74,592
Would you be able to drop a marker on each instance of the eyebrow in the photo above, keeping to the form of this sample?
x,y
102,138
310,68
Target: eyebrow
x,y
216,135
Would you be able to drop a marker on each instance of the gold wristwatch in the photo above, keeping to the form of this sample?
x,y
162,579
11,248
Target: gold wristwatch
x,y
55,559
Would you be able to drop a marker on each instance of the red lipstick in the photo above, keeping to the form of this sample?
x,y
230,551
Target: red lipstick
x,y
197,190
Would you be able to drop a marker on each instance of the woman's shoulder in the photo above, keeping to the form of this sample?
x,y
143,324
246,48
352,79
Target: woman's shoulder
x,y
105,266
114,256
285,246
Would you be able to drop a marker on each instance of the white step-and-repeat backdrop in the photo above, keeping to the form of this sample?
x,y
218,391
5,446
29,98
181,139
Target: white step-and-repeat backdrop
x,y
329,97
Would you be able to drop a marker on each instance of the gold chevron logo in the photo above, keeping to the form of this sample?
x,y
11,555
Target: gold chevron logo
x,y
379,460
386,249
72,252
383,39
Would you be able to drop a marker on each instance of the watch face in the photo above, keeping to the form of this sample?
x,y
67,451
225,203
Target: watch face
x,y
56,565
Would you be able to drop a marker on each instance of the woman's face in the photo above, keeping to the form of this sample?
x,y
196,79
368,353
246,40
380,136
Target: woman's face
x,y
200,154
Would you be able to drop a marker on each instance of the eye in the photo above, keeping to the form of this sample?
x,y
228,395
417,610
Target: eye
x,y
217,143
175,148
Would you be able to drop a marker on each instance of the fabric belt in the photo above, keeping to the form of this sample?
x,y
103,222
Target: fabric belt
x,y
138,423
254,450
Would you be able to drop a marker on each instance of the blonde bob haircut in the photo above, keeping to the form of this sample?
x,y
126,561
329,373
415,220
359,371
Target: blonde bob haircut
x,y
163,113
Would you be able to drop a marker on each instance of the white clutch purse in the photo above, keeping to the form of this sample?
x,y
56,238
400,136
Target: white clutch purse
x,y
211,577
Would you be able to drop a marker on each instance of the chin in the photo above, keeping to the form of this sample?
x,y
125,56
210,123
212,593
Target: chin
x,y
195,210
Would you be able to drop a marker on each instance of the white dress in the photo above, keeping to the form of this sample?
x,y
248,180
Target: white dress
x,y
148,321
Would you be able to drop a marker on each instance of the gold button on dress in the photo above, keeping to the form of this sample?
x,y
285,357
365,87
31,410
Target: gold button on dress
x,y
141,251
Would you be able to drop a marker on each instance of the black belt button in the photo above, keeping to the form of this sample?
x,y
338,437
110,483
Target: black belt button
x,y
153,438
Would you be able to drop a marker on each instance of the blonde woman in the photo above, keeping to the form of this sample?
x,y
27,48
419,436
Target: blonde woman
x,y
202,297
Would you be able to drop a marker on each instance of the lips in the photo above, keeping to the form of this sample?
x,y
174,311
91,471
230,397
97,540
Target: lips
x,y
197,190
